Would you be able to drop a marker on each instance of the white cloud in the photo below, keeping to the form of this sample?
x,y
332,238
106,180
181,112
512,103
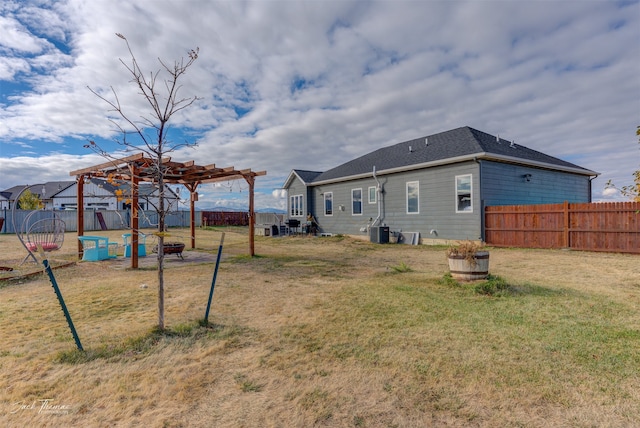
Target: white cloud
x,y
16,37
609,192
30,170
10,66
323,82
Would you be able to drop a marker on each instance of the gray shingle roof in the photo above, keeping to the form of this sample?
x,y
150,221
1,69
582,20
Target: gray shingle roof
x,y
12,192
51,188
446,146
307,176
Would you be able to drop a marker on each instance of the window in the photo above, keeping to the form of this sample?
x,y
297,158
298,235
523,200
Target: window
x,y
328,203
463,194
356,201
296,207
413,197
372,195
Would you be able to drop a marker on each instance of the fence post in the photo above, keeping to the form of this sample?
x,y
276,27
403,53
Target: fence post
x,y
565,233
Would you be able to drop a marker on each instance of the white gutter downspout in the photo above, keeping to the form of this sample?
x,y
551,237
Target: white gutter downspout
x,y
378,196
479,193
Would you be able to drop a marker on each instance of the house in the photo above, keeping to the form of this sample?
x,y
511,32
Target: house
x,y
435,186
46,192
4,200
98,195
104,195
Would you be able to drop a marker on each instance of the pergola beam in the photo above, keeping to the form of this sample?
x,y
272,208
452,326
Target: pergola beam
x,y
113,163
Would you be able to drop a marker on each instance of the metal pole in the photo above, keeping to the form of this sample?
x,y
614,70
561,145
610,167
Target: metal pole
x,y
47,269
252,216
213,282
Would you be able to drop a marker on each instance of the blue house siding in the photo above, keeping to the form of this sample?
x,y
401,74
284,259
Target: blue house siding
x,y
436,219
342,220
509,184
296,188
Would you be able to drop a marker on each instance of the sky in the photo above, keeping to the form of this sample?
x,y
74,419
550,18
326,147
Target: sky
x,y
285,85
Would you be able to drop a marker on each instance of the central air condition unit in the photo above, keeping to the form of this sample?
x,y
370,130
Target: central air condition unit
x,y
379,234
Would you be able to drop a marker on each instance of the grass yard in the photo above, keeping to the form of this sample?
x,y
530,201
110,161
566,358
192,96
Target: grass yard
x,y
324,332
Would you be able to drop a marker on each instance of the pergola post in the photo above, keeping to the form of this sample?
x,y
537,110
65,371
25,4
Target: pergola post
x,y
252,219
80,212
134,216
193,198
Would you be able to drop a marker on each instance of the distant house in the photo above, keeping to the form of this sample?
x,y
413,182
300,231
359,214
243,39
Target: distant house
x,y
436,186
98,195
102,195
46,192
4,200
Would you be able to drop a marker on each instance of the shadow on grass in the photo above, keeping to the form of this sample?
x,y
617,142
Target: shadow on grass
x,y
182,335
497,286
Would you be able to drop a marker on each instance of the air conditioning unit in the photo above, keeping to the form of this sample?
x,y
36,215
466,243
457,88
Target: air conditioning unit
x,y
379,234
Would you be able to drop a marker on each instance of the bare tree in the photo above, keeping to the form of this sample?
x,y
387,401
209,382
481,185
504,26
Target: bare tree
x,y
160,90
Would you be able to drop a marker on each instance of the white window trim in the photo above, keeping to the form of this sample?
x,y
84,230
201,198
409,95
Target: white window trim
x,y
325,204
375,195
417,184
470,193
353,200
300,212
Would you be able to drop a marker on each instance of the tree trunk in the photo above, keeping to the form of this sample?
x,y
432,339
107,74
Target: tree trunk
x,y
161,229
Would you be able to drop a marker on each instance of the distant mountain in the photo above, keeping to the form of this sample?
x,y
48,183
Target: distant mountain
x,y
271,210
227,209
232,209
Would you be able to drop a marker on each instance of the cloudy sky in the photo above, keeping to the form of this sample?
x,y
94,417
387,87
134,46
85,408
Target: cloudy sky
x,y
312,84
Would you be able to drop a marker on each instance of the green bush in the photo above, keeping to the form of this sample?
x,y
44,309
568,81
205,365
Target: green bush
x,y
492,286
401,267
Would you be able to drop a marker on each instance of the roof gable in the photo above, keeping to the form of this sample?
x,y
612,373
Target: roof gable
x,y
303,175
11,192
52,188
445,147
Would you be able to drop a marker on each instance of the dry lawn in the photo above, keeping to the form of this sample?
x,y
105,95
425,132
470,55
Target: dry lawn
x,y
327,332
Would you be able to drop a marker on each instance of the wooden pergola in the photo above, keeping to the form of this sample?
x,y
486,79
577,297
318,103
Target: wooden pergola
x,y
137,168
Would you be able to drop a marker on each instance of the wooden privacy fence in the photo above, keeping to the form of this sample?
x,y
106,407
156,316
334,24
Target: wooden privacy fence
x,y
225,218
612,227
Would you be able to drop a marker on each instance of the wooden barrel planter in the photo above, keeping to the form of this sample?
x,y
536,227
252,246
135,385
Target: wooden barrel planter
x,y
469,269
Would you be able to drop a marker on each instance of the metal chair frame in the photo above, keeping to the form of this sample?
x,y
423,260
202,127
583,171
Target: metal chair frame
x,y
47,233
